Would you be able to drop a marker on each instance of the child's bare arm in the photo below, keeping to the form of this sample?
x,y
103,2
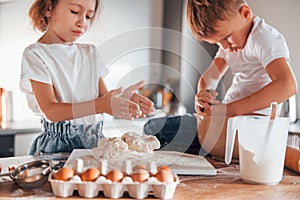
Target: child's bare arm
x,y
282,87
206,94
54,110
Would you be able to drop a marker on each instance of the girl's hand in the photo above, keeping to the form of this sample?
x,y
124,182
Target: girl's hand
x,y
146,105
204,100
118,106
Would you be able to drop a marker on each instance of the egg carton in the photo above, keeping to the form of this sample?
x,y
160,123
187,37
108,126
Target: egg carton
x,y
114,190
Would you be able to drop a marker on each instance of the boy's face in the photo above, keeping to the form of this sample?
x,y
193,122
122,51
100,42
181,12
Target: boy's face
x,y
232,34
70,19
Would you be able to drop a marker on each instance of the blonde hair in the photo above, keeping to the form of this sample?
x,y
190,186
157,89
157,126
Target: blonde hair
x,y
202,15
37,13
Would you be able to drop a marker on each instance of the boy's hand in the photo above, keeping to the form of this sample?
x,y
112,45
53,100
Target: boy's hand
x,y
146,106
204,100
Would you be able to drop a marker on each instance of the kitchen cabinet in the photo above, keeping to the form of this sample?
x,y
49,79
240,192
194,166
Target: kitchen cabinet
x,y
6,145
22,143
294,135
16,144
16,137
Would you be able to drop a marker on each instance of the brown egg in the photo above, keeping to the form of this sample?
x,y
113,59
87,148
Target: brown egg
x,y
140,175
136,167
64,174
90,174
165,168
115,175
164,176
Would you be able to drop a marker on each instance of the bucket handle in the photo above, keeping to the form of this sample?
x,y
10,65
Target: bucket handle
x,y
230,139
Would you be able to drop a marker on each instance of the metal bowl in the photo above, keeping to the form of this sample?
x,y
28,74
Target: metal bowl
x,y
32,175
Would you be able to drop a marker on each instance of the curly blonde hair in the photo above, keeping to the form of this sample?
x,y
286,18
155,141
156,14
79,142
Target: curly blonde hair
x,y
37,13
202,15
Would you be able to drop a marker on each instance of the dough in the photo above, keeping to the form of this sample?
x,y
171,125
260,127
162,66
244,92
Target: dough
x,y
127,145
141,143
109,147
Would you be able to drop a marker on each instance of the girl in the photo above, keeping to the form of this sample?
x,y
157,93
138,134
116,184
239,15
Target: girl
x,y
63,80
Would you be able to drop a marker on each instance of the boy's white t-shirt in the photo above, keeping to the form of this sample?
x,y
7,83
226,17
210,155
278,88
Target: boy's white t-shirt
x,y
73,70
248,65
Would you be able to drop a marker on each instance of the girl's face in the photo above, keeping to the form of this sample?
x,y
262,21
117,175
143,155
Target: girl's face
x,y
69,20
232,34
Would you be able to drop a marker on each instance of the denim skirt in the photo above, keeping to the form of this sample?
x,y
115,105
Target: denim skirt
x,y
64,137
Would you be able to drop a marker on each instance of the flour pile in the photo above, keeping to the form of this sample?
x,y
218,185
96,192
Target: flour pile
x,y
129,145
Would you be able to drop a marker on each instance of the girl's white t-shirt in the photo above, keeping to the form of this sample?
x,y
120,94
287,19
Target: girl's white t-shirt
x,y
73,70
248,65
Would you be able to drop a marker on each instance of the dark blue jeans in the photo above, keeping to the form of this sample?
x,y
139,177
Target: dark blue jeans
x,y
175,133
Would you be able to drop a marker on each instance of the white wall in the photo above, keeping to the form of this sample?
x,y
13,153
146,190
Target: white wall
x,y
284,16
122,33
126,34
15,34
195,58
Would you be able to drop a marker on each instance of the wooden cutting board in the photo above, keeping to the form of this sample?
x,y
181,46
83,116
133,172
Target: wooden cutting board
x,y
180,163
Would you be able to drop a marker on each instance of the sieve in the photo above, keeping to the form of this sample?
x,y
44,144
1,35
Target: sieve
x,y
32,174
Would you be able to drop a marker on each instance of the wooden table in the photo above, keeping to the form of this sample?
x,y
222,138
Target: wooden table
x,y
227,184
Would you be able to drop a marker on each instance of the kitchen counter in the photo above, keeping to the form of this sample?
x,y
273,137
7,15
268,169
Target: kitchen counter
x,y
112,127
15,127
227,184
16,136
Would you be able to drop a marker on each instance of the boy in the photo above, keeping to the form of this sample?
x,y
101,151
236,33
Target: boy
x,y
256,53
